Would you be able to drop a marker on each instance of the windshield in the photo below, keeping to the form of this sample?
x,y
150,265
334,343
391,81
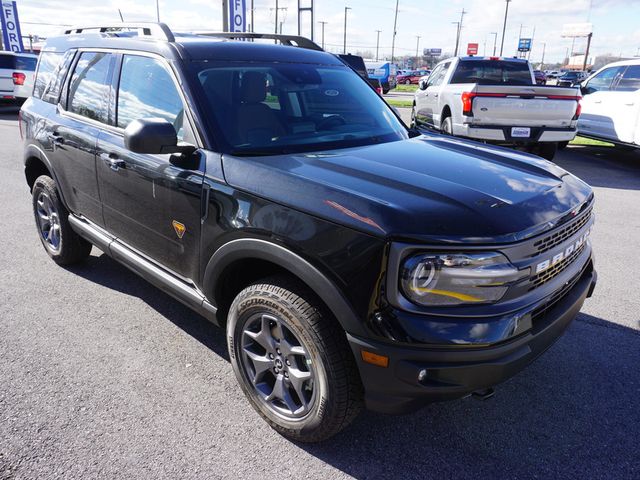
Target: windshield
x,y
492,72
282,108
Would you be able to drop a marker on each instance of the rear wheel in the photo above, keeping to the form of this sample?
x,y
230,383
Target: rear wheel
x,y
447,126
407,82
292,360
546,150
562,145
62,244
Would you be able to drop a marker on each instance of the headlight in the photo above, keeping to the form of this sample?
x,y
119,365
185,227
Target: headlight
x,y
443,279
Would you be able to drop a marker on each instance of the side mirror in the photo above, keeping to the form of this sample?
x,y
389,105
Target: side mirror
x,y
422,84
584,90
153,136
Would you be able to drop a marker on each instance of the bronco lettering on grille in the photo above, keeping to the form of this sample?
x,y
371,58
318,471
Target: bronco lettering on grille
x,y
542,266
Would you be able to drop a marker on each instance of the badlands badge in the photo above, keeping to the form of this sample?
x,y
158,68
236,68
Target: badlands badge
x,y
179,228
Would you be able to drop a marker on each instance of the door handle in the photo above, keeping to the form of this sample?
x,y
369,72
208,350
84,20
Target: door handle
x,y
112,161
597,101
631,104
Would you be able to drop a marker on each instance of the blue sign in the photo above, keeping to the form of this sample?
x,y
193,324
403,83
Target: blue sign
x,y
237,15
11,34
524,45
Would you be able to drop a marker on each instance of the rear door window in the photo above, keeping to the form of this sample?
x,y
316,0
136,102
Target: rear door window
x,y
630,80
602,81
89,86
52,70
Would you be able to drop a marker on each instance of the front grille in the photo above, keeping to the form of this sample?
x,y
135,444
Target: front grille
x,y
547,243
557,296
553,271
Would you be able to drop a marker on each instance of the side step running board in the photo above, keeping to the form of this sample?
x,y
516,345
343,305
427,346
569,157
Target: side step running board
x,y
151,272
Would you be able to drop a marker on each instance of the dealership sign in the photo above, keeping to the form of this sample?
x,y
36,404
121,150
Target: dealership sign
x,y
432,52
237,15
11,35
472,49
524,45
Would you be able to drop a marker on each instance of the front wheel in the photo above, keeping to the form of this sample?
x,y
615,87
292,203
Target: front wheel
x,y
407,82
292,360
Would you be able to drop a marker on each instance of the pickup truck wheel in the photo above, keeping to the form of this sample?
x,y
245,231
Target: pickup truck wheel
x,y
548,150
447,126
292,360
562,145
62,244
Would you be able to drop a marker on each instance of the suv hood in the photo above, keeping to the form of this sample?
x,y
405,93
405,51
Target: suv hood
x,y
428,188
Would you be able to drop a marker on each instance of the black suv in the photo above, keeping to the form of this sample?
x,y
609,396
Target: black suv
x,y
267,186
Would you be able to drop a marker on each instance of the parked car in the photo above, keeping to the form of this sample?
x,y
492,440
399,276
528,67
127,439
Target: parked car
x,y
16,74
496,100
540,77
569,79
385,72
357,63
412,77
611,104
350,260
552,74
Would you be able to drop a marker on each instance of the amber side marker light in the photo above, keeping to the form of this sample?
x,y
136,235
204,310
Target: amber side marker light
x,y
375,359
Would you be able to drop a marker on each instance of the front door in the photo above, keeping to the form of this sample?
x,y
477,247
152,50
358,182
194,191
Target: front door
x,y
597,114
151,202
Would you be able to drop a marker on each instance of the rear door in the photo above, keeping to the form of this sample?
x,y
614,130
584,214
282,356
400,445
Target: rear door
x,y
625,105
7,65
151,202
598,99
73,132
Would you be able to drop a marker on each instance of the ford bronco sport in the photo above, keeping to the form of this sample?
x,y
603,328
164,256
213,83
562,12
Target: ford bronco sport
x,y
351,260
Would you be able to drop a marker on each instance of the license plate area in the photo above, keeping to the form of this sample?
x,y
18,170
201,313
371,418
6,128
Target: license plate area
x,y
520,132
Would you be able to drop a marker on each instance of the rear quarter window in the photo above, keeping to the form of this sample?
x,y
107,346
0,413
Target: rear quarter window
x,y
52,69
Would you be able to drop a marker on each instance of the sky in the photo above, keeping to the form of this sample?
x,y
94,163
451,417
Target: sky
x,y
616,23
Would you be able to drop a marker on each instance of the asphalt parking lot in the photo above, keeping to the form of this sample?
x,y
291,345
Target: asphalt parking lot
x,y
104,376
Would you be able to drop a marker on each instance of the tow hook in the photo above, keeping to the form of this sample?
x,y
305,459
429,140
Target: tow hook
x,y
484,394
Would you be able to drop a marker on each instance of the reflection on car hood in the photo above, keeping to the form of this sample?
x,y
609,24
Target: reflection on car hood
x,y
428,188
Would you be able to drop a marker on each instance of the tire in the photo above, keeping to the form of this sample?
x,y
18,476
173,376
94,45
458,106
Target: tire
x,y
385,91
414,123
547,150
59,240
266,321
408,82
624,148
447,126
562,145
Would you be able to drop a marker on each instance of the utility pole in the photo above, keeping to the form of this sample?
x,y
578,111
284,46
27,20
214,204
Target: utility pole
x,y
225,15
417,45
344,47
253,29
495,39
586,54
518,54
158,10
544,48
277,10
459,31
504,27
533,36
395,24
378,44
323,24
457,24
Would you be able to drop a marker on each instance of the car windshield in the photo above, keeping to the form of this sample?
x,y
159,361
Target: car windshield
x,y
278,108
492,72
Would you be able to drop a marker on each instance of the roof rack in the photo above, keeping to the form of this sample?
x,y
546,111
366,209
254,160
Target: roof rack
x,y
144,29
289,40
162,31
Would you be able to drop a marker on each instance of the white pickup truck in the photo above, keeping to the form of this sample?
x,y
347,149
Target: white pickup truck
x,y
496,100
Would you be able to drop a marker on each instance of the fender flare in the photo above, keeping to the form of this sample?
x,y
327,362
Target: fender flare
x,y
322,286
33,151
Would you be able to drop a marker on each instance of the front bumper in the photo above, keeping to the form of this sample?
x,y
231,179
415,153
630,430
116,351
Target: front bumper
x,y
455,372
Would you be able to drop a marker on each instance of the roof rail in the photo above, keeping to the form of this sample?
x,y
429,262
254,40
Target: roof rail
x,y
289,40
144,29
